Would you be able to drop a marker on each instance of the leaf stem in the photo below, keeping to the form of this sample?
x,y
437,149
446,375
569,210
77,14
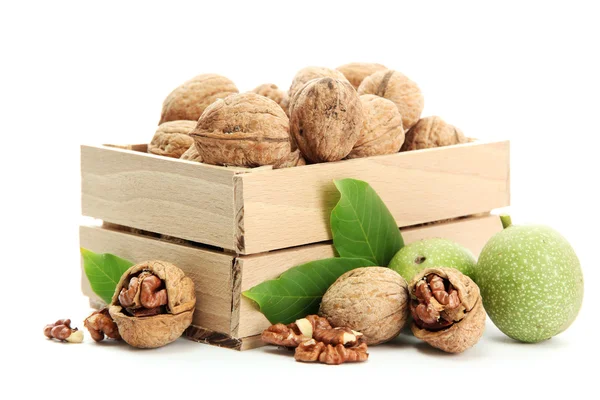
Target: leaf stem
x,y
506,220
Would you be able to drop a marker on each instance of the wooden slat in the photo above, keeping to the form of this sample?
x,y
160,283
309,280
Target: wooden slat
x,y
290,207
472,232
211,271
159,194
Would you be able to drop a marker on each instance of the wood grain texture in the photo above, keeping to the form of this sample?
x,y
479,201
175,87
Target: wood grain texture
x,y
290,207
211,271
158,194
471,232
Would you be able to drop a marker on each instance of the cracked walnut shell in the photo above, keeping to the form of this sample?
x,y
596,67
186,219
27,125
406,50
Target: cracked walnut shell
x,y
447,309
356,72
189,100
432,132
370,300
398,88
172,138
163,328
244,130
308,74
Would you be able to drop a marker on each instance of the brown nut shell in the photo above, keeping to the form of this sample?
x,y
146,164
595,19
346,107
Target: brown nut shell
x,y
326,119
189,100
356,72
307,74
432,132
398,88
370,300
158,330
172,138
382,131
271,91
245,130
191,154
294,159
465,333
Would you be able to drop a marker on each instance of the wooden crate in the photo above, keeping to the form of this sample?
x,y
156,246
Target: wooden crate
x,y
223,316
250,211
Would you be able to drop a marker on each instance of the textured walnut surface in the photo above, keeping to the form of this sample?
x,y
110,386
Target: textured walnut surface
x,y
246,130
432,132
172,138
356,72
189,100
308,74
191,154
271,91
382,131
398,88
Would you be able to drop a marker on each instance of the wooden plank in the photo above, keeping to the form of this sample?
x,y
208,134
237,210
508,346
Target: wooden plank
x,y
174,197
471,232
211,271
290,207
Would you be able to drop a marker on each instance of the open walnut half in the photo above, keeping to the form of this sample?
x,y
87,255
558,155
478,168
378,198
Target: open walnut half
x,y
447,309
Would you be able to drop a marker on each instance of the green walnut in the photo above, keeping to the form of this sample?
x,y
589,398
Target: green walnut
x,y
530,281
432,253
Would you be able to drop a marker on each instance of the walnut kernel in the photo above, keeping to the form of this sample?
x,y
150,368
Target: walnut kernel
x,y
172,138
356,72
432,132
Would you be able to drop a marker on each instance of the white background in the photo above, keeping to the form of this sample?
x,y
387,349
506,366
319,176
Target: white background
x,y
77,73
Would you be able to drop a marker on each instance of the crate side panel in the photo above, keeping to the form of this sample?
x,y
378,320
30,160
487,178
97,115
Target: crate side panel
x,y
158,194
210,271
291,207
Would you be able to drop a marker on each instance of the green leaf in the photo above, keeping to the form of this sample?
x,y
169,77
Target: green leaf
x,y
298,291
362,226
104,272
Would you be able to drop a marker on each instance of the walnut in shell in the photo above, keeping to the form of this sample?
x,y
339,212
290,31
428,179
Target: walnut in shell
x,y
356,72
189,100
370,300
382,131
244,130
308,74
272,92
172,138
326,118
432,132
447,309
153,304
191,154
294,159
398,88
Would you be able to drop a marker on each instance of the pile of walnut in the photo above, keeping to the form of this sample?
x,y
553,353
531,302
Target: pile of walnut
x,y
357,110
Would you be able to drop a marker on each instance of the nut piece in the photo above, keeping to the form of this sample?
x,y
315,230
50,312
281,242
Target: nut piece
x,y
191,154
99,323
308,74
293,334
432,132
382,131
245,130
371,300
153,304
312,350
326,118
447,309
356,72
271,91
172,138
189,100
398,88
62,330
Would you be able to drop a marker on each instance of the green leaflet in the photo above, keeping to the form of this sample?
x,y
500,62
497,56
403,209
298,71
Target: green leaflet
x,y
104,272
362,226
298,291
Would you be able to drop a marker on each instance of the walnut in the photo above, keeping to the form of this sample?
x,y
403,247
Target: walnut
x,y
326,118
356,72
272,92
189,100
62,331
172,138
432,132
99,324
371,300
245,130
398,88
382,131
312,351
153,304
308,74
191,154
447,309
294,159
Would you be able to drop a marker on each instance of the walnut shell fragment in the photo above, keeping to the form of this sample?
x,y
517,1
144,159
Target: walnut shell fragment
x,y
356,72
447,309
326,119
271,91
382,131
308,74
191,154
160,329
370,300
244,130
398,88
432,132
189,100
172,138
